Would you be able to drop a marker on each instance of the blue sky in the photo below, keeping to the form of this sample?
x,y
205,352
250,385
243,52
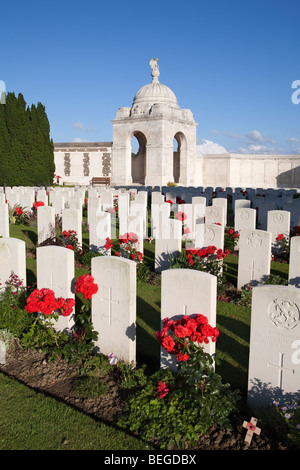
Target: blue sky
x,y
232,62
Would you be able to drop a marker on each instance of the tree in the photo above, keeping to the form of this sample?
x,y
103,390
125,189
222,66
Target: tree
x,y
26,150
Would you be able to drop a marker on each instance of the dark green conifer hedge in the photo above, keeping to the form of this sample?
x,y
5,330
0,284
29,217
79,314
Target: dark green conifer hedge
x,y
26,150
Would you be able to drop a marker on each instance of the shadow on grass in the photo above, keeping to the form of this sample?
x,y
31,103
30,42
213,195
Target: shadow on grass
x,y
147,347
234,355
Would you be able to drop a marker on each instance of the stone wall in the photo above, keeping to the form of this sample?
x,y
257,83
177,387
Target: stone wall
x,y
79,162
241,170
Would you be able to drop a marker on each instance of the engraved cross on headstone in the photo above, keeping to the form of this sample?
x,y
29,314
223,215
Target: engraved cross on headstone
x,y
280,369
110,302
253,270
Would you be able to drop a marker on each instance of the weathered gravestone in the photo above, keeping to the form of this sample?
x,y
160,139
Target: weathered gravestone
x,y
99,230
45,223
209,235
215,214
12,260
93,208
244,219
55,271
159,212
254,263
114,306
187,292
72,220
221,202
274,358
278,222
294,262
167,243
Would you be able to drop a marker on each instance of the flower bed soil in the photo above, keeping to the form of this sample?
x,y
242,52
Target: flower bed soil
x,y
56,378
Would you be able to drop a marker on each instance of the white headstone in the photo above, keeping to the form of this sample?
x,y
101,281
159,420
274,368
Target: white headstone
x,y
215,214
55,271
278,222
167,244
187,292
4,220
209,235
274,358
159,213
99,230
12,260
254,263
45,223
294,262
221,202
114,306
72,220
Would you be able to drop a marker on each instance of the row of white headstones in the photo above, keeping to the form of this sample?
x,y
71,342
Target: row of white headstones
x,y
274,358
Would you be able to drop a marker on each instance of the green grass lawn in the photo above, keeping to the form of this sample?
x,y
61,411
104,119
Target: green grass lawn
x,y
30,420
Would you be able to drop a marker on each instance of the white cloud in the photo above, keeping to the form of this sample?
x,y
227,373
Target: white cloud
x,y
80,125
257,149
78,139
209,147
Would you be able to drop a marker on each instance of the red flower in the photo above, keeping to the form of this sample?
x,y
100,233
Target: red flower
x,y
162,389
18,211
39,203
85,285
43,301
181,331
168,343
280,237
181,216
182,357
108,244
169,201
70,247
231,231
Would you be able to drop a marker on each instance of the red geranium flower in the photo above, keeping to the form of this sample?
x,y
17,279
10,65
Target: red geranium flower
x,y
181,216
162,389
85,285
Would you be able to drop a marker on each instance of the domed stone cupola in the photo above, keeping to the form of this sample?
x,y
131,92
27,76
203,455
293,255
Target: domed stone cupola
x,y
155,92
157,121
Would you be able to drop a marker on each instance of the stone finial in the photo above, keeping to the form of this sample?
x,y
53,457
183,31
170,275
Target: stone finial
x,y
155,71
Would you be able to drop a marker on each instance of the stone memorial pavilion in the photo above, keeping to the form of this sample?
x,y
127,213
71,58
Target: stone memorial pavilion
x,y
157,121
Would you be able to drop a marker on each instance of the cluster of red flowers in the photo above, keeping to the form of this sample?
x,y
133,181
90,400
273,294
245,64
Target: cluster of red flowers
x,y
280,237
38,204
170,202
232,233
85,285
176,335
179,200
205,252
18,211
44,301
162,389
108,243
69,233
181,216
128,237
